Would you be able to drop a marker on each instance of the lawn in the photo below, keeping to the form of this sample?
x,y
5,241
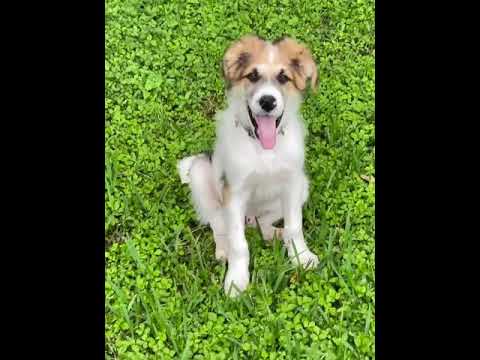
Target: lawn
x,y
163,287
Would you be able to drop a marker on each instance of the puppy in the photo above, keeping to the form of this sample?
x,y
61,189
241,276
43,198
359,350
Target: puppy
x,y
257,167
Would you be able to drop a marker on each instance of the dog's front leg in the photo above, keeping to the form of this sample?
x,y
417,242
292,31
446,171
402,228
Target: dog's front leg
x,y
238,254
292,202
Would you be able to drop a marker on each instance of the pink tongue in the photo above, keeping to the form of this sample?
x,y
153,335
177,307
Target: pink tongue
x,y
267,131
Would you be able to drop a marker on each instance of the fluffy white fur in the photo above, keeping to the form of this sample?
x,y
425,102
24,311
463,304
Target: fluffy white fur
x,y
267,184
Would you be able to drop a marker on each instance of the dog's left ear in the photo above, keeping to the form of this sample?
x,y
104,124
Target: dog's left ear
x,y
239,55
300,61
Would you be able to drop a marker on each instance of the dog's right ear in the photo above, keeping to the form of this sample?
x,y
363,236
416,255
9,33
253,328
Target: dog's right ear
x,y
239,55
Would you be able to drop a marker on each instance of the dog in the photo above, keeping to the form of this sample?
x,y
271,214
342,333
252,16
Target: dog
x,y
256,170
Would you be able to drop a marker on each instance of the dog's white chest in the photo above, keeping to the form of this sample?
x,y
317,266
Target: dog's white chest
x,y
268,165
268,176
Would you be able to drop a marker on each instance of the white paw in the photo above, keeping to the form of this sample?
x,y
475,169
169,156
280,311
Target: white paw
x,y
239,279
184,166
220,254
307,259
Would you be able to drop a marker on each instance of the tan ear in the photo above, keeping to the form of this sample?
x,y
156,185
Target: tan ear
x,y
239,55
301,62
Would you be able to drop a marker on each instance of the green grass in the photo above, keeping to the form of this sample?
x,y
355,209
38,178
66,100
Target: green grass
x,y
164,296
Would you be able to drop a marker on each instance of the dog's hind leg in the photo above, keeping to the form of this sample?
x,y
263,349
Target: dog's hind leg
x,y
198,172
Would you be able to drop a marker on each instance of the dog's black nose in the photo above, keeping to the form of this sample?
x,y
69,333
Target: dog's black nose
x,y
267,102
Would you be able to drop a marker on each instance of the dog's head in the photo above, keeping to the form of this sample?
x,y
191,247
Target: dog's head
x,y
269,77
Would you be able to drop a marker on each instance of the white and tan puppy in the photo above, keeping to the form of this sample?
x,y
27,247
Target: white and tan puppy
x,y
257,167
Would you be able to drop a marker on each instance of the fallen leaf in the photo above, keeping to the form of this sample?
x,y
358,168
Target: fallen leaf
x,y
369,179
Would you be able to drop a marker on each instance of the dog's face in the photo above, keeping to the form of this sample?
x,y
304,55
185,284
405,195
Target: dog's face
x,y
267,75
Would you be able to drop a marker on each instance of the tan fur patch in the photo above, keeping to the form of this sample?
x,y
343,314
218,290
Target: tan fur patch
x,y
299,61
241,55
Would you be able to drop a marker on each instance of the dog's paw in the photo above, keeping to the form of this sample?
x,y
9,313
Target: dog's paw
x,y
220,254
236,281
307,259
183,168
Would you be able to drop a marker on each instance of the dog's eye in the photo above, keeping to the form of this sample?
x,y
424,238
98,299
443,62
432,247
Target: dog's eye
x,y
282,78
253,76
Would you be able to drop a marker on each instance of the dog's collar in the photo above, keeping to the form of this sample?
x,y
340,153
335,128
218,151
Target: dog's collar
x,y
250,132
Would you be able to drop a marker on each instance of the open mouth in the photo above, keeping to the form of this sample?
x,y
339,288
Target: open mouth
x,y
265,128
